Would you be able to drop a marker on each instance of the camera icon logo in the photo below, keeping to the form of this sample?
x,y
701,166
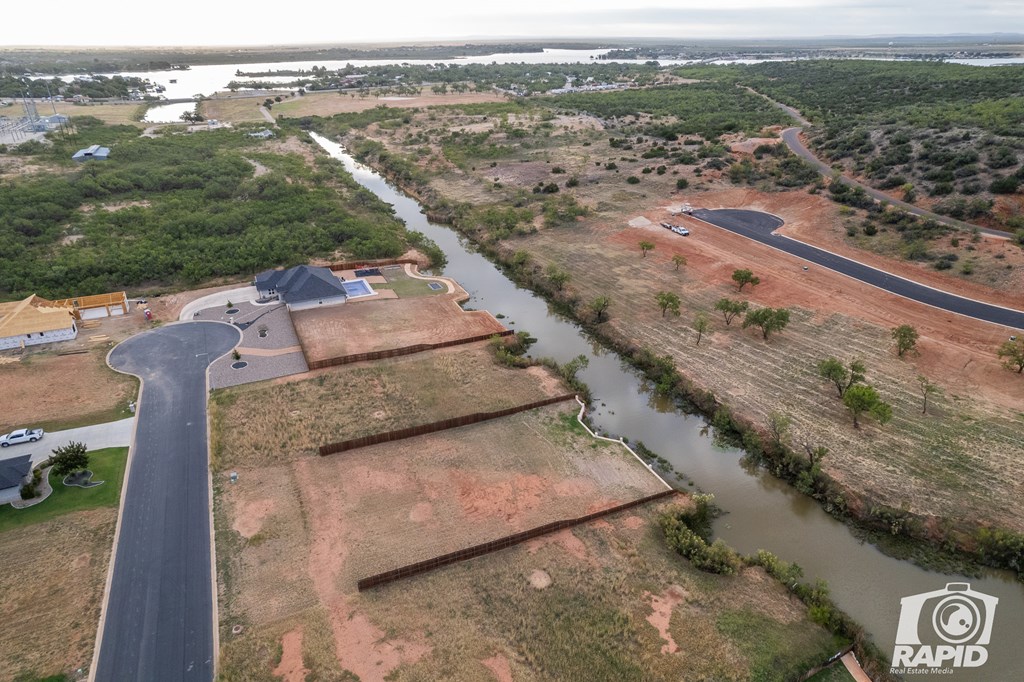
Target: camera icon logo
x,y
950,627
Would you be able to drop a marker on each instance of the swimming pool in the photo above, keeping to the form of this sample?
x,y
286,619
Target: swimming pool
x,y
354,288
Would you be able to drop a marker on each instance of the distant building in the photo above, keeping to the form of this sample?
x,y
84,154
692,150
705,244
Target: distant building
x,y
35,320
262,134
301,287
94,152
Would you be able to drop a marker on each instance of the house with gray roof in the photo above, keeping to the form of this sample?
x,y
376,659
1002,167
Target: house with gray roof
x,y
14,473
301,287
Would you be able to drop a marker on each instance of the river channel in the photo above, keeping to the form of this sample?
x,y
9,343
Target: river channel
x,y
762,512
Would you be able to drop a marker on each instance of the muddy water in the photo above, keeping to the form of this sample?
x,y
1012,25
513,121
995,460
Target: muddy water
x,y
763,512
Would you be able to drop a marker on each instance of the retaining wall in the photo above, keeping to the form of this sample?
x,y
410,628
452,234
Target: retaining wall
x,y
496,545
396,352
359,264
433,427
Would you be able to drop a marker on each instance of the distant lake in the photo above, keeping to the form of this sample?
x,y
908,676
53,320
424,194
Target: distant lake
x,y
210,78
168,113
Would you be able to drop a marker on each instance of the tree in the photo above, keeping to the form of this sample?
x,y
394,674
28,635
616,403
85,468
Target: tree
x,y
1013,351
909,193
557,276
815,455
768,319
927,389
69,458
645,247
571,368
777,425
843,378
745,277
599,306
906,339
678,260
861,399
701,323
668,302
730,308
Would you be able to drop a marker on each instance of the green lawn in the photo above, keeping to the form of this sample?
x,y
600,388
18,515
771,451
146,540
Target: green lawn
x,y
408,287
837,672
107,465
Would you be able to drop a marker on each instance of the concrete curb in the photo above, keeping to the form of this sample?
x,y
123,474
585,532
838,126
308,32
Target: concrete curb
x,y
620,441
120,513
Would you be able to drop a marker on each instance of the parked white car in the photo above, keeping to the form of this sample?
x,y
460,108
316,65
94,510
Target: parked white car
x,y
21,436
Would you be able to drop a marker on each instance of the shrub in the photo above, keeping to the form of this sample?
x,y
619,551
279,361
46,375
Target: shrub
x,y
633,180
1007,185
682,183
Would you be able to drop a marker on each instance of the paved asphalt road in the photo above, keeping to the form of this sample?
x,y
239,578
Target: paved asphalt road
x,y
159,613
97,436
791,136
758,226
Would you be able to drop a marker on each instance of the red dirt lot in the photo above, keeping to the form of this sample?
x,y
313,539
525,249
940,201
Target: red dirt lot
x,y
369,326
955,351
310,528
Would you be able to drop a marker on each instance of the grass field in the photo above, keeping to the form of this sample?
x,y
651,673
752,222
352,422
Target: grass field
x,y
369,326
407,287
128,113
54,392
106,465
236,110
53,572
837,672
296,417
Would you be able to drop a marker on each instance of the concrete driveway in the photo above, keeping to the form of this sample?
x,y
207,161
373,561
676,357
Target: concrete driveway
x,y
219,299
158,617
96,437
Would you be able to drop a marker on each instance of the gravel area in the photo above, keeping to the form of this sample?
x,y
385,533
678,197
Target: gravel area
x,y
274,317
258,369
277,322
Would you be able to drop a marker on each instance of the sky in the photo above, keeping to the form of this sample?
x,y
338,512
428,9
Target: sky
x,y
230,22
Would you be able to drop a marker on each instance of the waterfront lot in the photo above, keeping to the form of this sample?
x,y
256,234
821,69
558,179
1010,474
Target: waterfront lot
x,y
367,326
297,415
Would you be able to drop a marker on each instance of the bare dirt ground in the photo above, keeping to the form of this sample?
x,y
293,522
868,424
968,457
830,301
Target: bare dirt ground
x,y
167,307
613,598
298,414
47,389
52,577
380,325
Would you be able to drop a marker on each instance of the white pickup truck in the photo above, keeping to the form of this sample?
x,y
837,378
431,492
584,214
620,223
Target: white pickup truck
x,y
21,436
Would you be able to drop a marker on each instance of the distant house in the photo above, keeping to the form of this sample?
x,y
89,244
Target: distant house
x,y
94,152
262,134
35,320
301,287
14,473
